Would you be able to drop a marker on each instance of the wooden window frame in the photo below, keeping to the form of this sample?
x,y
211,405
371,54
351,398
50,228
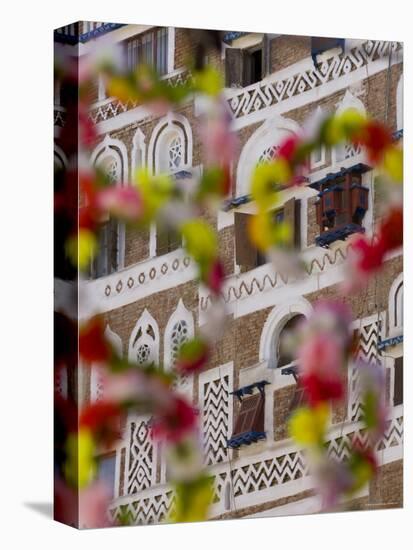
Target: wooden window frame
x,y
138,39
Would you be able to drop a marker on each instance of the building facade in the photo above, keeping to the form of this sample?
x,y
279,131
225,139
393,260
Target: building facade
x,y
144,283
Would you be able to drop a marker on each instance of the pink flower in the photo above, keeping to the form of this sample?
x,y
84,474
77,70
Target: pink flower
x,y
86,509
321,359
219,140
123,202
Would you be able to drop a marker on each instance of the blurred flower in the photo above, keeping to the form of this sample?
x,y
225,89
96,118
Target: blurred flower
x,y
362,466
124,202
93,346
184,458
192,356
375,137
213,276
193,499
308,425
102,418
85,509
372,391
81,248
175,421
80,466
392,164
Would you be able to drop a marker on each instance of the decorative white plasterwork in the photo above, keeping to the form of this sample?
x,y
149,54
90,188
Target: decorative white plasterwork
x,y
60,156
270,134
399,104
97,371
184,318
138,154
172,126
112,147
144,340
396,307
303,83
274,324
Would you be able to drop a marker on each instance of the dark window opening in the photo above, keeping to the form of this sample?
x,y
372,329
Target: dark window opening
x,y
321,44
286,352
398,381
167,240
244,67
106,260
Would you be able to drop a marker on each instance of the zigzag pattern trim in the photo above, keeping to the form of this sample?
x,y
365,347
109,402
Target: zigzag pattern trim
x,y
215,418
244,289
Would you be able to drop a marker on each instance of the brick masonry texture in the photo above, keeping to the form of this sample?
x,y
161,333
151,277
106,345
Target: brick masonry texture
x,y
241,340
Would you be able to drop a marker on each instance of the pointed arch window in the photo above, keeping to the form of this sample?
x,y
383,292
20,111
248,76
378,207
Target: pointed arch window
x,y
111,158
144,341
179,329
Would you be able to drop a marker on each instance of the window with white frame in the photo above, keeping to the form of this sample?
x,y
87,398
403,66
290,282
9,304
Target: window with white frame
x,y
179,329
111,158
396,307
285,350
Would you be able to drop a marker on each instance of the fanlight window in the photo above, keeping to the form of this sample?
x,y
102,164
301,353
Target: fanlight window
x,y
110,166
269,154
398,307
144,342
175,153
179,336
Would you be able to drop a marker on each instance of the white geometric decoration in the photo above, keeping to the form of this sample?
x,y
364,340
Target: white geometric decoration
x,y
144,341
370,330
97,372
215,403
140,458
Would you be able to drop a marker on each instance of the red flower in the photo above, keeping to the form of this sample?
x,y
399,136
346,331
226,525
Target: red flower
x,y
376,138
175,422
104,419
215,276
391,230
318,388
288,148
369,255
93,347
192,356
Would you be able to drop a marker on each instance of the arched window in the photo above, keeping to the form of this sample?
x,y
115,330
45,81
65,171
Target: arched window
x,y
60,159
348,150
396,307
170,147
275,343
144,341
110,156
285,351
179,329
262,146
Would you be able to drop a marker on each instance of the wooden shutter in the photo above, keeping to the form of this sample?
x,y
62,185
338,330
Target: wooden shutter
x,y
245,252
251,415
234,67
398,381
